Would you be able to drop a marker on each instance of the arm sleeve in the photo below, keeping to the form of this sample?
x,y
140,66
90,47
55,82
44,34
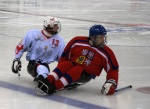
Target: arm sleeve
x,y
23,46
112,67
65,54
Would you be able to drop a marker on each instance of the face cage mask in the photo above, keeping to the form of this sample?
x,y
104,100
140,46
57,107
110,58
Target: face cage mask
x,y
50,29
102,44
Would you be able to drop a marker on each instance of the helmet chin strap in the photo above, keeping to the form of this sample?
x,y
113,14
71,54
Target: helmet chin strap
x,y
47,34
101,45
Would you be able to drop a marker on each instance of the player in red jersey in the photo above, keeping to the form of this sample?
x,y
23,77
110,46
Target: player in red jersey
x,y
83,59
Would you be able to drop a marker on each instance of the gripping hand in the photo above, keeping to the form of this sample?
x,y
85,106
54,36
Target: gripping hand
x,y
16,65
109,87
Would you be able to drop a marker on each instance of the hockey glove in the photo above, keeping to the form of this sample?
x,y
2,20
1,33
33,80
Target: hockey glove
x,y
16,65
109,87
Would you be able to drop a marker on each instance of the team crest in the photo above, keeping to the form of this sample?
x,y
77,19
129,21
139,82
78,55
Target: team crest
x,y
80,59
84,51
45,48
90,55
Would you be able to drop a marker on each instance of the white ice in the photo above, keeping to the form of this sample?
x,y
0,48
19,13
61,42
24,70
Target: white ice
x,y
128,25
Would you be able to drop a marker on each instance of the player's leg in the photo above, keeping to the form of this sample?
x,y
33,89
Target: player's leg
x,y
42,70
47,85
31,68
59,71
69,77
37,69
84,78
42,81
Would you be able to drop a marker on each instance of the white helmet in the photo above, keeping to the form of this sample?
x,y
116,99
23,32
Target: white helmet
x,y
50,22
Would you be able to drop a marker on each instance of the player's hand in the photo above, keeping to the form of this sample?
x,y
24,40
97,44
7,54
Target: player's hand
x,y
16,65
109,87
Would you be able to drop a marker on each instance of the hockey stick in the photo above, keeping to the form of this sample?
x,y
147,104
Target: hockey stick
x,y
19,69
18,74
123,88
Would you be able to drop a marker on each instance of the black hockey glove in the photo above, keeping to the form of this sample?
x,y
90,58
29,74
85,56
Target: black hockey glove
x,y
16,65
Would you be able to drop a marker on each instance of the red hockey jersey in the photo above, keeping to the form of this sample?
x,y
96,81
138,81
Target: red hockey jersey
x,y
92,59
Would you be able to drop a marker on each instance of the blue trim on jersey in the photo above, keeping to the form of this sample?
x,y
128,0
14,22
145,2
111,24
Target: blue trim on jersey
x,y
68,78
113,66
92,76
58,72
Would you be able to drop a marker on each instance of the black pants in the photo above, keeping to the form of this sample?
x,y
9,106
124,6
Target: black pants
x,y
32,65
85,77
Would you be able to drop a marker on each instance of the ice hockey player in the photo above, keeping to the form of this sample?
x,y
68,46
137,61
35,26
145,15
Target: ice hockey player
x,y
83,59
42,46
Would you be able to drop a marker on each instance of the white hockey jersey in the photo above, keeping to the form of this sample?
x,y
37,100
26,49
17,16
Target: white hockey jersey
x,y
39,47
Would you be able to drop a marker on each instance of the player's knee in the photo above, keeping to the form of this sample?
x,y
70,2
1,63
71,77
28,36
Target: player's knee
x,y
66,64
85,77
42,70
31,68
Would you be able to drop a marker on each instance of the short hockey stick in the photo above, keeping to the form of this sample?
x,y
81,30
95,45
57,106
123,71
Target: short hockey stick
x,y
123,88
18,74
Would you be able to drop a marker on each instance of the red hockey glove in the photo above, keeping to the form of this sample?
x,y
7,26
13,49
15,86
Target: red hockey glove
x,y
109,87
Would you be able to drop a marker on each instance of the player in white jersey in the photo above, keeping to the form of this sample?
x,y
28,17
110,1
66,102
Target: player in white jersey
x,y
42,47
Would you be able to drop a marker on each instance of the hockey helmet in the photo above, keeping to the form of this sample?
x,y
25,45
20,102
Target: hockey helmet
x,y
50,22
97,30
